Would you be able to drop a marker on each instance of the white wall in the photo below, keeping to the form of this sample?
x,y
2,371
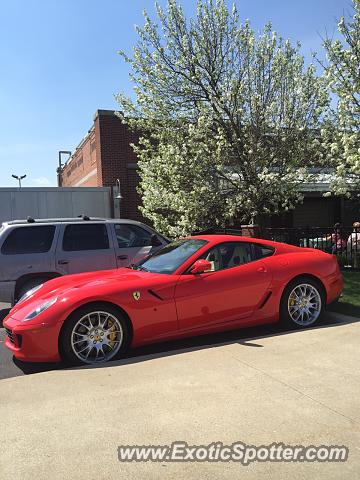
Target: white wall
x,y
54,202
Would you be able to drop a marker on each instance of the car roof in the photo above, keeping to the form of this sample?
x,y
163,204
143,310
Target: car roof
x,y
215,239
226,238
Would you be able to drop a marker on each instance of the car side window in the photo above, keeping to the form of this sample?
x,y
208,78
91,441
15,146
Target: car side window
x,y
86,236
128,235
263,251
229,255
23,240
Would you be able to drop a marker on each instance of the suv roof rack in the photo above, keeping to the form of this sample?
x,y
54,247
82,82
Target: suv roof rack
x,y
55,220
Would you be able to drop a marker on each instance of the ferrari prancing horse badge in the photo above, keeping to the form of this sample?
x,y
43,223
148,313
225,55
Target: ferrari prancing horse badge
x,y
136,295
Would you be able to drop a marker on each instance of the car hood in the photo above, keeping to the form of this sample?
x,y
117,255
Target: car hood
x,y
100,278
105,280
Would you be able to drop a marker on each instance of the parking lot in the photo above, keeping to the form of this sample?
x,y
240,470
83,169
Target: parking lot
x,y
257,386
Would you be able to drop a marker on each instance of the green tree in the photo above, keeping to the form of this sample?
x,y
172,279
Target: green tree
x,y
341,137
227,118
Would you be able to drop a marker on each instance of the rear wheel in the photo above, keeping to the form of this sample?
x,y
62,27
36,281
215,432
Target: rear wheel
x,y
302,303
94,334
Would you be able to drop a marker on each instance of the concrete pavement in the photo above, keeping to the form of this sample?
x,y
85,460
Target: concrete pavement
x,y
298,388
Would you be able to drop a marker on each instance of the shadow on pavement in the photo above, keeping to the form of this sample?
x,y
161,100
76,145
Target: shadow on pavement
x,y
31,367
346,308
249,337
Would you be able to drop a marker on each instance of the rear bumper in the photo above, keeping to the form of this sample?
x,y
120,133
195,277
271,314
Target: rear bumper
x,y
7,292
335,288
32,343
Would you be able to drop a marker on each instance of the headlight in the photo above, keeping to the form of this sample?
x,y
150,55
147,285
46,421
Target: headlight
x,y
41,308
30,292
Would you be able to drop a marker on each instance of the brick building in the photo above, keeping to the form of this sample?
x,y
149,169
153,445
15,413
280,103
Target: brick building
x,y
103,157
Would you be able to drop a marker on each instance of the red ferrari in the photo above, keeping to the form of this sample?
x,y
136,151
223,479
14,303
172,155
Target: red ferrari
x,y
193,286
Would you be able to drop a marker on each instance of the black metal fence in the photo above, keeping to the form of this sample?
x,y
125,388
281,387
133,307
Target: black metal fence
x,y
344,242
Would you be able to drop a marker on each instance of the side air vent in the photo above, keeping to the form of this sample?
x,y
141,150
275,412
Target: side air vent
x,y
264,302
154,294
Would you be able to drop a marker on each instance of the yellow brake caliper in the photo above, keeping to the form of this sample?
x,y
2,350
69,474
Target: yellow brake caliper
x,y
111,336
292,301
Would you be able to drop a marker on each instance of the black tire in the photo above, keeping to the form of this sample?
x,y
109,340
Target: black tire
x,y
65,340
286,318
28,285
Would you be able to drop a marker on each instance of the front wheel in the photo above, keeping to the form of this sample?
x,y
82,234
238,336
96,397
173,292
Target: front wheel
x,y
94,334
302,303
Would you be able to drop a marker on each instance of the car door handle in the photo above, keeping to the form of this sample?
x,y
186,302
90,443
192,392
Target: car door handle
x,y
262,270
63,262
122,257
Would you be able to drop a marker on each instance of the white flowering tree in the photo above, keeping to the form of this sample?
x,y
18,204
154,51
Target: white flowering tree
x,y
341,137
227,118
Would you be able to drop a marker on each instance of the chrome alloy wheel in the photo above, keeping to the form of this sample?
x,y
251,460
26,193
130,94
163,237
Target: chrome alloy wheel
x,y
304,304
96,337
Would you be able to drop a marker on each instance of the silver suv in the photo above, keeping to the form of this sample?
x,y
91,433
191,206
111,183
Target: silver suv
x,y
33,251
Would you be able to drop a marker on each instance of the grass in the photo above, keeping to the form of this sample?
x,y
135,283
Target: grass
x,y
349,303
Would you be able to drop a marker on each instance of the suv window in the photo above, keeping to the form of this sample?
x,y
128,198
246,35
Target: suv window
x,y
85,237
24,240
128,235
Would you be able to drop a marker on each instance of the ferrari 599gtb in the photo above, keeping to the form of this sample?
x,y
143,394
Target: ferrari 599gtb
x,y
193,286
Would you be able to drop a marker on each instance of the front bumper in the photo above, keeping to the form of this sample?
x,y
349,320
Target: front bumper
x,y
34,342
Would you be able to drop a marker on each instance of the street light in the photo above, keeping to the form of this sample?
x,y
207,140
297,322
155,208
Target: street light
x,y
59,169
19,178
118,196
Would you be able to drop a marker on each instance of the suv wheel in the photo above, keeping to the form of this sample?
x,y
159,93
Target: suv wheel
x,y
32,283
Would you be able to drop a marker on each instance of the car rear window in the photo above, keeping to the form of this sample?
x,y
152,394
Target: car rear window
x,y
264,251
85,237
24,240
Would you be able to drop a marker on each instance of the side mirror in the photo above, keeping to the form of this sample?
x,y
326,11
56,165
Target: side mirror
x,y
201,266
155,241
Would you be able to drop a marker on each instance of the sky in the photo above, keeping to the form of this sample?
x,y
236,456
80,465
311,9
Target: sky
x,y
59,64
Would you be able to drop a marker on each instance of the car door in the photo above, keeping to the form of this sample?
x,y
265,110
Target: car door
x,y
28,249
231,292
85,247
132,243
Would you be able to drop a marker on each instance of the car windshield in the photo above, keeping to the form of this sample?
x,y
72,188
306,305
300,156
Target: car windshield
x,y
170,257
